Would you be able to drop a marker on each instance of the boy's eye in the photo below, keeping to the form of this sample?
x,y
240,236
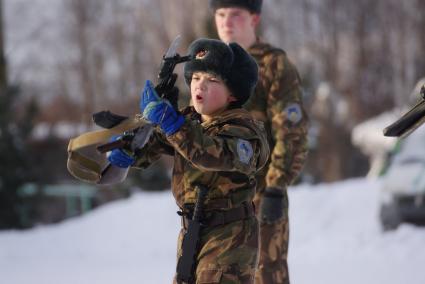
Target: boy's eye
x,y
220,15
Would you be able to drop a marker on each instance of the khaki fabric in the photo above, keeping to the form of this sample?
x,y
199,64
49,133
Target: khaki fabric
x,y
87,164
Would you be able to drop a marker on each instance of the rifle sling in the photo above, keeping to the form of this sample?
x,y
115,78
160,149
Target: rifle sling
x,y
84,161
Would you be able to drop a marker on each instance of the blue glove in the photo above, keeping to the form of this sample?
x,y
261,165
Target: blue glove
x,y
119,157
159,111
148,95
163,113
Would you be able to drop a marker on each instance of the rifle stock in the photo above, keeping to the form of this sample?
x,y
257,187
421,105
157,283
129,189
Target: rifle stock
x,y
186,265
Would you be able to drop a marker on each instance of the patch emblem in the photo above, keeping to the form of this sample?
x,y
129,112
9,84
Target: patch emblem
x,y
201,54
294,113
244,151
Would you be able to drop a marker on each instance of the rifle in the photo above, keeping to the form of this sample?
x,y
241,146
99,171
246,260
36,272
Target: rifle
x,y
138,137
86,153
186,265
409,121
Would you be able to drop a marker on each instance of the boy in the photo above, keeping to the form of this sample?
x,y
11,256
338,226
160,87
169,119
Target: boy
x,y
277,101
216,144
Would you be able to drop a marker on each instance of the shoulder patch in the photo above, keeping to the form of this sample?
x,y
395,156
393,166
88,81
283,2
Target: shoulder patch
x,y
245,151
293,113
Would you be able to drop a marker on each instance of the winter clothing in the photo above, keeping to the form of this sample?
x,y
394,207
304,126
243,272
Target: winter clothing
x,y
229,61
253,6
148,95
159,111
223,154
272,205
277,101
119,157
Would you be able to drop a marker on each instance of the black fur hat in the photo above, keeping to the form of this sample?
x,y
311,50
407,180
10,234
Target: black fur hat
x,y
252,5
231,62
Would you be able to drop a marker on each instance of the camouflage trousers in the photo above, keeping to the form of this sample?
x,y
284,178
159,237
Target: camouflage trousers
x,y
228,254
273,249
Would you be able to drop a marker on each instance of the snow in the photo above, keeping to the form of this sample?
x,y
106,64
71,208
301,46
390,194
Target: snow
x,y
335,238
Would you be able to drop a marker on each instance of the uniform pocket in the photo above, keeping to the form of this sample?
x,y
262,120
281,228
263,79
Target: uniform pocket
x,y
207,276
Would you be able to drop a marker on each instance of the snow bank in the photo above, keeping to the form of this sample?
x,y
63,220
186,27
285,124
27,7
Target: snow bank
x,y
335,238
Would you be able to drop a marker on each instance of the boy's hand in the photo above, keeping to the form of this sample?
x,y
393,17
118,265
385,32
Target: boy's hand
x,y
159,111
119,157
163,113
148,95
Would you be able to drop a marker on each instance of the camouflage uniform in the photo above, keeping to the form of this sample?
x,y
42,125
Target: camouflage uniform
x,y
278,103
209,154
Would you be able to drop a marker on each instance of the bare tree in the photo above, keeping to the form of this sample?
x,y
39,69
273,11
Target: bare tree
x,y
3,68
84,13
369,52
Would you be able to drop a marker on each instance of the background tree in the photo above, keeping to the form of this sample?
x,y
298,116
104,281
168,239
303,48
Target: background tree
x,y
15,128
84,56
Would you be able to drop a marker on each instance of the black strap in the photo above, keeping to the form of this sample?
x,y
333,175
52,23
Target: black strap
x,y
107,119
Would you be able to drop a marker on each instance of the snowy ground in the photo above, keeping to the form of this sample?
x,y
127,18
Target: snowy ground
x,y
335,238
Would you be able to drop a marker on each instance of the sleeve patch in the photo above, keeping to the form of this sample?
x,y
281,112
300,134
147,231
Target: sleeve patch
x,y
293,113
245,151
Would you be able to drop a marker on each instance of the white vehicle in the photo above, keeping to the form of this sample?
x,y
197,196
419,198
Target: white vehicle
x,y
403,183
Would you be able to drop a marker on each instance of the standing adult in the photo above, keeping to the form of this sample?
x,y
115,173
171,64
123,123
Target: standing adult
x,y
277,102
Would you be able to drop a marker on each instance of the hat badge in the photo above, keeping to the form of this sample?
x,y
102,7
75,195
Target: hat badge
x,y
201,54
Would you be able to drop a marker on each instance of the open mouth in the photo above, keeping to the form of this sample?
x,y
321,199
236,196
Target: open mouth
x,y
198,98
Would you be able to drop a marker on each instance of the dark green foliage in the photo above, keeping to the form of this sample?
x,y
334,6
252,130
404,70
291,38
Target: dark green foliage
x,y
15,127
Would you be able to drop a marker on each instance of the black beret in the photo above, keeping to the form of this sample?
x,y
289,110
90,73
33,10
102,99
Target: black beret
x,y
252,5
231,62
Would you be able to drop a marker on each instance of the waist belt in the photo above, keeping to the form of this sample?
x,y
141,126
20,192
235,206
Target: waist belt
x,y
222,217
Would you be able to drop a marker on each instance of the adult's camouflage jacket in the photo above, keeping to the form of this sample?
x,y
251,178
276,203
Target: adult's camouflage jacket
x,y
223,154
277,102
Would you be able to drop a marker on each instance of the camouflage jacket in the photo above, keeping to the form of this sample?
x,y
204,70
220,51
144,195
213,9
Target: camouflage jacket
x,y
277,102
223,154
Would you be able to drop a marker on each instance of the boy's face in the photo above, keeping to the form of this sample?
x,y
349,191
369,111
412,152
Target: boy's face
x,y
210,96
236,24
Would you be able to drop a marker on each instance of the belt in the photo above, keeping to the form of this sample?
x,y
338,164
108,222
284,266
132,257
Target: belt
x,y
223,217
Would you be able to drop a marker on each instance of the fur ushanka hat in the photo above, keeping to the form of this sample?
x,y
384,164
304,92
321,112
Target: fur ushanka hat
x,y
253,6
231,62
